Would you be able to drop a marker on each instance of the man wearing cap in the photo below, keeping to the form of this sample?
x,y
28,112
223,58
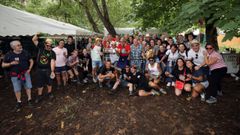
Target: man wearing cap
x,y
196,53
45,66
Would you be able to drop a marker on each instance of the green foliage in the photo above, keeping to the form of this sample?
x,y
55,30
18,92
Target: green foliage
x,y
179,15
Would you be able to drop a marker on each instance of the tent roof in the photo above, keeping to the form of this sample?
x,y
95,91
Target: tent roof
x,y
17,22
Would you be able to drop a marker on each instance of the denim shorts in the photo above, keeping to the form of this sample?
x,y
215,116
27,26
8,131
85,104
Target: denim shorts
x,y
59,70
205,84
96,64
17,83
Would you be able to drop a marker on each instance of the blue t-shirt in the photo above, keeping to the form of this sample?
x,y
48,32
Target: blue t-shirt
x,y
198,73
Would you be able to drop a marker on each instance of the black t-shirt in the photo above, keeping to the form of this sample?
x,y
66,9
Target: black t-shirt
x,y
104,70
136,78
23,59
70,48
126,74
83,59
177,73
44,57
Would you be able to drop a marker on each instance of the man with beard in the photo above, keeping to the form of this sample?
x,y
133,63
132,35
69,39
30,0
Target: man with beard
x,y
45,67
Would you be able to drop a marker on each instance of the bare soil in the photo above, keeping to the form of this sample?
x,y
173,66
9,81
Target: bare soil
x,y
88,110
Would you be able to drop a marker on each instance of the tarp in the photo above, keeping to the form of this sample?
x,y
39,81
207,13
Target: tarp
x,y
120,31
14,22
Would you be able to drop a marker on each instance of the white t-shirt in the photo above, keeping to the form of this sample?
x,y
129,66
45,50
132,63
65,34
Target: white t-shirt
x,y
60,58
198,57
96,53
113,55
183,55
172,56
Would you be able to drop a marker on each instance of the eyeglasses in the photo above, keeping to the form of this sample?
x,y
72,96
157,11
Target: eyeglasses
x,y
209,48
196,56
18,45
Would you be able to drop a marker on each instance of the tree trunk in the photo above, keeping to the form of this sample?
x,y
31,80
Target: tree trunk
x,y
211,34
89,16
104,17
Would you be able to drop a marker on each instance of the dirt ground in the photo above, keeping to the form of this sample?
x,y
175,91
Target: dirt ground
x,y
88,110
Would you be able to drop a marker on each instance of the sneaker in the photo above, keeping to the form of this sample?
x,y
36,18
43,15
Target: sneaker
x,y
130,93
155,93
73,80
163,91
219,93
202,95
79,83
38,99
173,84
18,106
189,98
50,95
30,104
94,80
85,80
168,84
211,100
100,84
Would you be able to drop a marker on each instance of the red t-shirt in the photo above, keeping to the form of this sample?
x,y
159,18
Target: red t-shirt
x,y
124,51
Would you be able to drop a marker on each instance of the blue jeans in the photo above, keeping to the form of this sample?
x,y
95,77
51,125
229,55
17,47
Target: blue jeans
x,y
170,70
17,83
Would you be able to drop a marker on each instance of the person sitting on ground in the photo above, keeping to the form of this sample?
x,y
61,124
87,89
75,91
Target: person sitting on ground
x,y
155,73
84,58
61,60
199,81
124,80
45,67
180,74
106,74
143,87
19,64
72,70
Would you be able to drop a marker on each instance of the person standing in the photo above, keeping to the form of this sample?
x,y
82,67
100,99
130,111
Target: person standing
x,y
96,55
45,67
20,65
136,54
61,60
70,45
218,69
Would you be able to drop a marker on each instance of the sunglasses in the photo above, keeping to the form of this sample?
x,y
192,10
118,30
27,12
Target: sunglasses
x,y
209,48
196,56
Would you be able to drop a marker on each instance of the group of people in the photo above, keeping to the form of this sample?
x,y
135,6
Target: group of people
x,y
145,65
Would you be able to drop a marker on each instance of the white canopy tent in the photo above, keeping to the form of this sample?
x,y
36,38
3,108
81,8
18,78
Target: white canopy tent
x,y
15,22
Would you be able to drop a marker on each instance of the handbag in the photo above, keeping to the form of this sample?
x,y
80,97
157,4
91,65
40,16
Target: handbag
x,y
179,84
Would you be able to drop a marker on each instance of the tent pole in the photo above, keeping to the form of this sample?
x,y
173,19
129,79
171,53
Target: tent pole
x,y
76,41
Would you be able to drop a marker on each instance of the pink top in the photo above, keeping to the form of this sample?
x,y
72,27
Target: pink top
x,y
220,61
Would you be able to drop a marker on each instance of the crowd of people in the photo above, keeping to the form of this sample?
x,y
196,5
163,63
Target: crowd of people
x,y
145,65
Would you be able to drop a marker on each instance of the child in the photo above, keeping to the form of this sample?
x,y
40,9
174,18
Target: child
x,y
72,63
